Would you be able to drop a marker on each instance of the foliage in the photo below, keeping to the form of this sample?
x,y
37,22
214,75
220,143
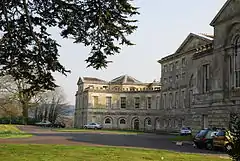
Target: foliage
x,y
235,132
90,153
27,50
15,98
17,120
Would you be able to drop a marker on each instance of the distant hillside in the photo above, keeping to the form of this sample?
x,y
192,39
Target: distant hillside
x,y
70,110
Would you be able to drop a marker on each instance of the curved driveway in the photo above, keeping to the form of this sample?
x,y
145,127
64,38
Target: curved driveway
x,y
152,141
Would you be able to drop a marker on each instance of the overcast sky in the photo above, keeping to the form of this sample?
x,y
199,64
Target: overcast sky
x,y
162,27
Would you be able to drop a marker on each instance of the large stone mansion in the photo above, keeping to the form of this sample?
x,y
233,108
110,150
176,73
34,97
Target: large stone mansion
x,y
122,103
200,85
201,80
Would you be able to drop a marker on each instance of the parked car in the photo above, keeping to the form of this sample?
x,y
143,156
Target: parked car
x,y
204,139
223,140
58,125
185,131
93,126
44,123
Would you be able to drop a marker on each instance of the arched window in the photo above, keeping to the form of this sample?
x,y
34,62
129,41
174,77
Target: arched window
x,y
149,122
107,121
122,121
237,62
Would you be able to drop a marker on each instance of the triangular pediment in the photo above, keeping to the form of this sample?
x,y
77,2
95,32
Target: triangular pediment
x,y
230,9
193,41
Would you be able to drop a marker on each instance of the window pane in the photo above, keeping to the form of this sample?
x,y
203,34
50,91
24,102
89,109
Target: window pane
x,y
137,102
123,102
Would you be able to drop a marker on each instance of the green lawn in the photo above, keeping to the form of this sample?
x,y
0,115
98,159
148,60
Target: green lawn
x,y
11,131
99,131
182,138
88,153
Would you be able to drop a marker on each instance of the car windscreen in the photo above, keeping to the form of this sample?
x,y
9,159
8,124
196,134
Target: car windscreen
x,y
210,134
221,133
201,133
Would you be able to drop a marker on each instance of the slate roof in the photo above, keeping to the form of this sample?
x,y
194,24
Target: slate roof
x,y
125,79
93,79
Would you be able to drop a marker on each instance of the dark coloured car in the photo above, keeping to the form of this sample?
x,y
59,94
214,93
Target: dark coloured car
x,y
204,139
58,125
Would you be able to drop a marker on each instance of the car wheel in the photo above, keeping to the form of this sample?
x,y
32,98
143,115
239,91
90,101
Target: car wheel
x,y
209,146
85,127
228,147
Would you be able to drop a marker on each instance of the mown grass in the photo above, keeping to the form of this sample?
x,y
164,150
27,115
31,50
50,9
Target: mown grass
x,y
182,138
99,131
11,131
89,153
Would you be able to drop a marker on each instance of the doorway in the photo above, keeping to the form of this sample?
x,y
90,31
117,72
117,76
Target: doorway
x,y
136,124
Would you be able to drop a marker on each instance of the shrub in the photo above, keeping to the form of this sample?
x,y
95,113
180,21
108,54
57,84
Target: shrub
x,y
235,132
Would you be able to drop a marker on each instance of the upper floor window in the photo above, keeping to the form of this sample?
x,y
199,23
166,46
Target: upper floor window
x,y
237,63
176,99
206,78
183,75
165,80
183,61
95,101
190,97
149,102
177,77
137,102
123,102
164,101
171,67
165,68
176,65
170,79
108,102
170,100
157,102
183,98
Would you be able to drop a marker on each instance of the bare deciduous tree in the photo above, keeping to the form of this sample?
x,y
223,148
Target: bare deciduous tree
x,y
14,91
52,106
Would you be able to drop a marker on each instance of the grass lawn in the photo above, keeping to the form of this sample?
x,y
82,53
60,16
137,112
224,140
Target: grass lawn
x,y
11,131
88,153
182,138
99,131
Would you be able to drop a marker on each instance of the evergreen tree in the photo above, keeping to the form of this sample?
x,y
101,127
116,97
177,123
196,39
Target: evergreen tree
x,y
235,132
28,52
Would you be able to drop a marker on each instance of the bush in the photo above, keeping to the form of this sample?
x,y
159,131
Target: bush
x,y
235,132
17,120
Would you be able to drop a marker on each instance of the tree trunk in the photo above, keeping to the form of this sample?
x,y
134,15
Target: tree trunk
x,y
10,120
25,113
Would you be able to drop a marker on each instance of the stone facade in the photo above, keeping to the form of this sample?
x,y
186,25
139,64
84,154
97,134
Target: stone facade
x,y
123,103
201,80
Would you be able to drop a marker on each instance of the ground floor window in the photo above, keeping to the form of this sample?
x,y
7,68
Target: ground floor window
x,y
122,121
149,122
107,121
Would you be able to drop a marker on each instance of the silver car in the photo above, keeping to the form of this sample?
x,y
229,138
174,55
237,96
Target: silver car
x,y
93,126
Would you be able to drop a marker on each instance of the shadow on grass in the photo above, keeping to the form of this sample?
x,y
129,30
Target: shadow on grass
x,y
14,135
